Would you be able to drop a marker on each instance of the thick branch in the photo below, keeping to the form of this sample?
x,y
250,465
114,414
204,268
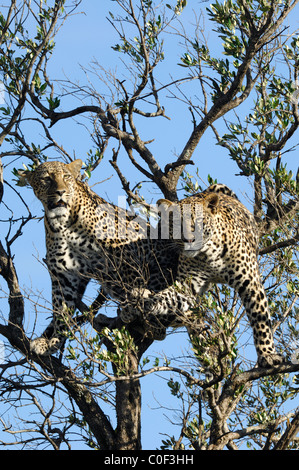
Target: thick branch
x,y
1,181
287,212
289,434
16,301
93,414
290,242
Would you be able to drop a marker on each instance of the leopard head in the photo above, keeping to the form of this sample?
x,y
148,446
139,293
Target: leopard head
x,y
189,222
54,184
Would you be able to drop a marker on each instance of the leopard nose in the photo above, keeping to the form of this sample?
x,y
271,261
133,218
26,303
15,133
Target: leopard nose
x,y
188,240
60,192
188,235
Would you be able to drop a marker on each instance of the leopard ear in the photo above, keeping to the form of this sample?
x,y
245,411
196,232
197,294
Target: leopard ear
x,y
211,201
24,177
164,204
75,167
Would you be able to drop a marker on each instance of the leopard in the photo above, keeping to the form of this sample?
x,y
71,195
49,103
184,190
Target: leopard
x,y
88,238
141,267
217,238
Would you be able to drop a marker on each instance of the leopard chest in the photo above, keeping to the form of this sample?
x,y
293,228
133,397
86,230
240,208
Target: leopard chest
x,y
70,250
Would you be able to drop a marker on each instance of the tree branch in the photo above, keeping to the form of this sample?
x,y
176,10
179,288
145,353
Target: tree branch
x,y
16,301
93,414
289,434
290,242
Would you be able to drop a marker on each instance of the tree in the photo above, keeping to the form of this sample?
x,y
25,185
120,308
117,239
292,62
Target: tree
x,y
248,99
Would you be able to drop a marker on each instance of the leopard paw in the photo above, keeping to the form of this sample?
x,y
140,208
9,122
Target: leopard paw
x,y
44,347
158,334
128,313
271,360
39,346
140,293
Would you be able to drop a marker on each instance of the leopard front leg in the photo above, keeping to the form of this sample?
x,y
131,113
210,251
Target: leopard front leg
x,y
65,295
54,335
133,306
136,306
158,310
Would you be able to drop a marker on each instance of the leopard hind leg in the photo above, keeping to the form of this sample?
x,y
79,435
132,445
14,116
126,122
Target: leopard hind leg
x,y
254,299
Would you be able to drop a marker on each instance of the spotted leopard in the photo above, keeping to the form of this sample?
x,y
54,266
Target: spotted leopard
x,y
88,238
217,239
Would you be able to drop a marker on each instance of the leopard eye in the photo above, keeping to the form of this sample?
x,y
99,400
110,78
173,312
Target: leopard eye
x,y
48,180
67,177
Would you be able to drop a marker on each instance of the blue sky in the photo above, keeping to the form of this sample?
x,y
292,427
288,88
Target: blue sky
x,y
90,36
84,37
